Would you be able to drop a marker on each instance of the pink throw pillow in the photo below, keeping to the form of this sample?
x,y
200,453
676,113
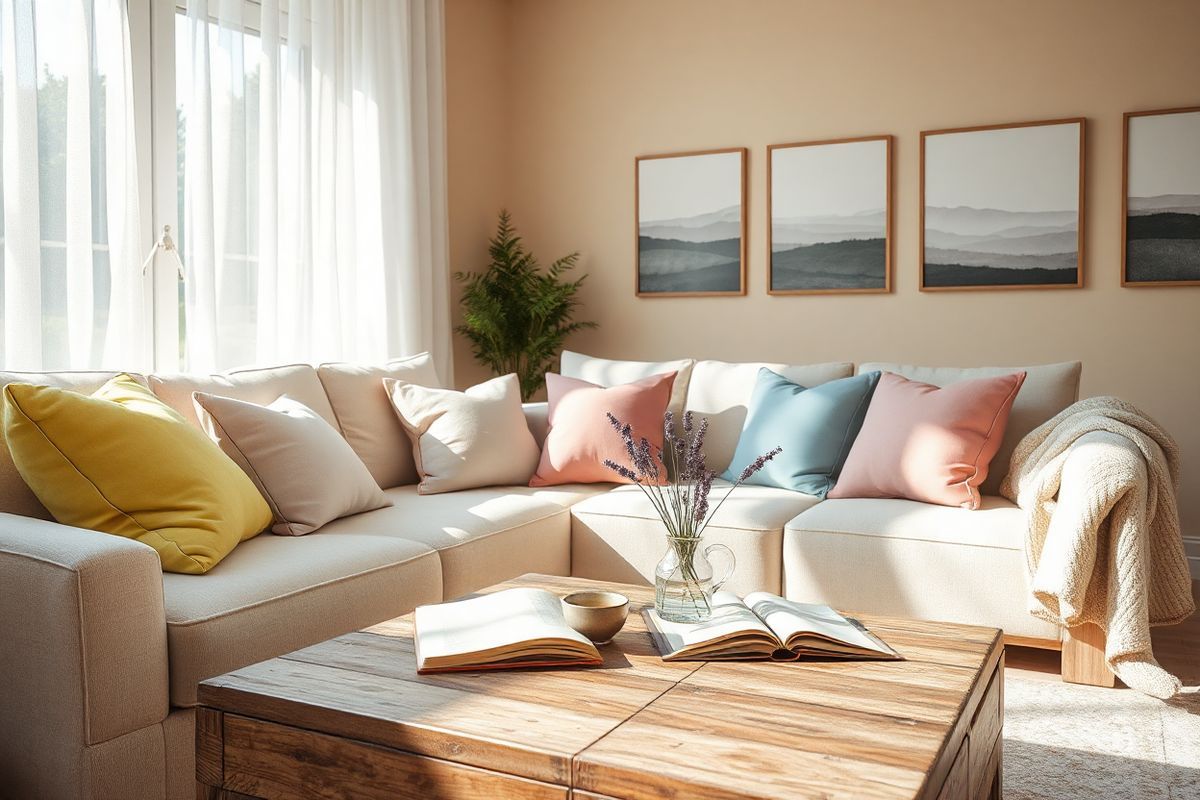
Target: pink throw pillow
x,y
581,437
924,443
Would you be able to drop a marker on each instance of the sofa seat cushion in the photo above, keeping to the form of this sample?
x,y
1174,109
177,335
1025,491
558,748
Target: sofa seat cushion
x,y
912,559
617,536
275,594
483,536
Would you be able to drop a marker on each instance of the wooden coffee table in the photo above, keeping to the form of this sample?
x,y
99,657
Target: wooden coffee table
x,y
351,718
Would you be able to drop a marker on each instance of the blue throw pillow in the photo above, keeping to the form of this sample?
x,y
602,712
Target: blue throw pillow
x,y
815,427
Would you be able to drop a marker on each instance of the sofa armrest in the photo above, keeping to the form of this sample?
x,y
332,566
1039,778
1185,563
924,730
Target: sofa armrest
x,y
84,653
538,417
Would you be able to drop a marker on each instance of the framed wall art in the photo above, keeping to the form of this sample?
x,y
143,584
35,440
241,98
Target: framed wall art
x,y
690,210
1161,211
829,210
1002,206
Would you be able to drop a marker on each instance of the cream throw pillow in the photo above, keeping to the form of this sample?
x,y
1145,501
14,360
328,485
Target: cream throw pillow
x,y
464,440
306,471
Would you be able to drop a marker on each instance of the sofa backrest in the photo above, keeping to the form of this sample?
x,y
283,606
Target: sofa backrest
x,y
721,392
15,496
367,419
262,386
1048,389
608,372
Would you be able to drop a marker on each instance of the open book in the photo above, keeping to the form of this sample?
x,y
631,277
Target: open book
x,y
512,628
765,626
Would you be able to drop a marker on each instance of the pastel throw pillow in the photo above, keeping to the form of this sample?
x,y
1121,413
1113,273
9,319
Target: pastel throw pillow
x,y
924,443
815,427
580,436
464,440
308,474
123,462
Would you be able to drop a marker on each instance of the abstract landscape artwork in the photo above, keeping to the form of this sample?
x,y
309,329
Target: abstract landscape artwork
x,y
691,223
830,211
1162,198
1002,206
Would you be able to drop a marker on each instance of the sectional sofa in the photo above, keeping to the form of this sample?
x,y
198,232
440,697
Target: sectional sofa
x,y
101,651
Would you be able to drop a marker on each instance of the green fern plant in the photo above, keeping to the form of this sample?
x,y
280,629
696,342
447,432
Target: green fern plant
x,y
515,315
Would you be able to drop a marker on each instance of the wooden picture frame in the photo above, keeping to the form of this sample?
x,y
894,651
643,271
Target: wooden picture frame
x,y
888,212
677,278
1130,117
1068,192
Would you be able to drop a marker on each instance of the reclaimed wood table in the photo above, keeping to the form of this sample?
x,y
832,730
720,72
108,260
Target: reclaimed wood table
x,y
350,717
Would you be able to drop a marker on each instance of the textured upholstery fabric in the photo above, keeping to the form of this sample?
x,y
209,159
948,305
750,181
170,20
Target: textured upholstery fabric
x,y
83,653
179,740
482,536
366,418
464,440
814,429
923,442
721,391
275,594
911,559
121,461
300,464
15,496
581,438
262,386
617,536
131,767
607,372
1047,390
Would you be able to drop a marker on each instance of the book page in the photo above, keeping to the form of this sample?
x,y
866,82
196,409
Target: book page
x,y
790,621
731,620
507,622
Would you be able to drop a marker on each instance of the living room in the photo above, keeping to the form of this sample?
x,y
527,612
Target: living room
x,y
315,314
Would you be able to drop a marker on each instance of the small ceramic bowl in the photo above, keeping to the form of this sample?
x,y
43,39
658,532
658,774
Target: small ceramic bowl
x,y
597,615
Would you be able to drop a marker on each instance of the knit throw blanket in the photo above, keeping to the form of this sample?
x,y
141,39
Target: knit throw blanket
x,y
1102,543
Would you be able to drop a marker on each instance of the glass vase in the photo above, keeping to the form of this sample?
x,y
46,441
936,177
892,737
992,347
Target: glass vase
x,y
683,579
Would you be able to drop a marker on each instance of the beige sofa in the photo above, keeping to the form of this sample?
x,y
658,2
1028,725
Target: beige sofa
x,y
101,651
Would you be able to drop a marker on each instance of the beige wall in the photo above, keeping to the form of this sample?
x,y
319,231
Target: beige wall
x,y
593,83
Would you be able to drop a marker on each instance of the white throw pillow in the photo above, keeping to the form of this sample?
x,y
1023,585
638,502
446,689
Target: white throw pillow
x,y
301,465
464,440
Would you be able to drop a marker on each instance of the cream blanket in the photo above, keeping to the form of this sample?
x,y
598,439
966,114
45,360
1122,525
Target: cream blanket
x,y
1097,484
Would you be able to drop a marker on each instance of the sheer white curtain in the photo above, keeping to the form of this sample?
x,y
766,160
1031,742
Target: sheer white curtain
x,y
72,288
314,206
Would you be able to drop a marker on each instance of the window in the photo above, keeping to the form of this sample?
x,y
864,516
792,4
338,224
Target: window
x,y
56,82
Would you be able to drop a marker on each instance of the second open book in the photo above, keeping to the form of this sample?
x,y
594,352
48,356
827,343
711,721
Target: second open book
x,y
765,626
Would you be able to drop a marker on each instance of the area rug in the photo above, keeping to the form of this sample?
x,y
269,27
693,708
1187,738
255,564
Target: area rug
x,y
1067,741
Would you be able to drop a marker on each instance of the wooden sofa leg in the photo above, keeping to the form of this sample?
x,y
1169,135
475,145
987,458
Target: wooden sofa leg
x,y
1083,657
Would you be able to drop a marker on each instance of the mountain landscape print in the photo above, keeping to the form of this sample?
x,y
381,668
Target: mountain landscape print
x,y
691,224
1162,207
1001,206
829,216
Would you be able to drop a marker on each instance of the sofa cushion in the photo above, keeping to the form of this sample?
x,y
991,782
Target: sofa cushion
x,y
465,440
606,372
721,392
582,439
814,427
617,536
121,461
275,594
262,386
15,495
364,413
1047,390
301,465
911,559
483,536
922,442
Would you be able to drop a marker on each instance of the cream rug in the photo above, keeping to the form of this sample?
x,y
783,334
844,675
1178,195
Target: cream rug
x,y
1067,741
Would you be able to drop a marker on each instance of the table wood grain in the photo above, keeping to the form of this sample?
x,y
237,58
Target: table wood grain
x,y
351,715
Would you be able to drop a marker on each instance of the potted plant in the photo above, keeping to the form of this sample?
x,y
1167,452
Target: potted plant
x,y
517,316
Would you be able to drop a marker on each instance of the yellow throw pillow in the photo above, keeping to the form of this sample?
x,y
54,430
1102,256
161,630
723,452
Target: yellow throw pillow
x,y
123,462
